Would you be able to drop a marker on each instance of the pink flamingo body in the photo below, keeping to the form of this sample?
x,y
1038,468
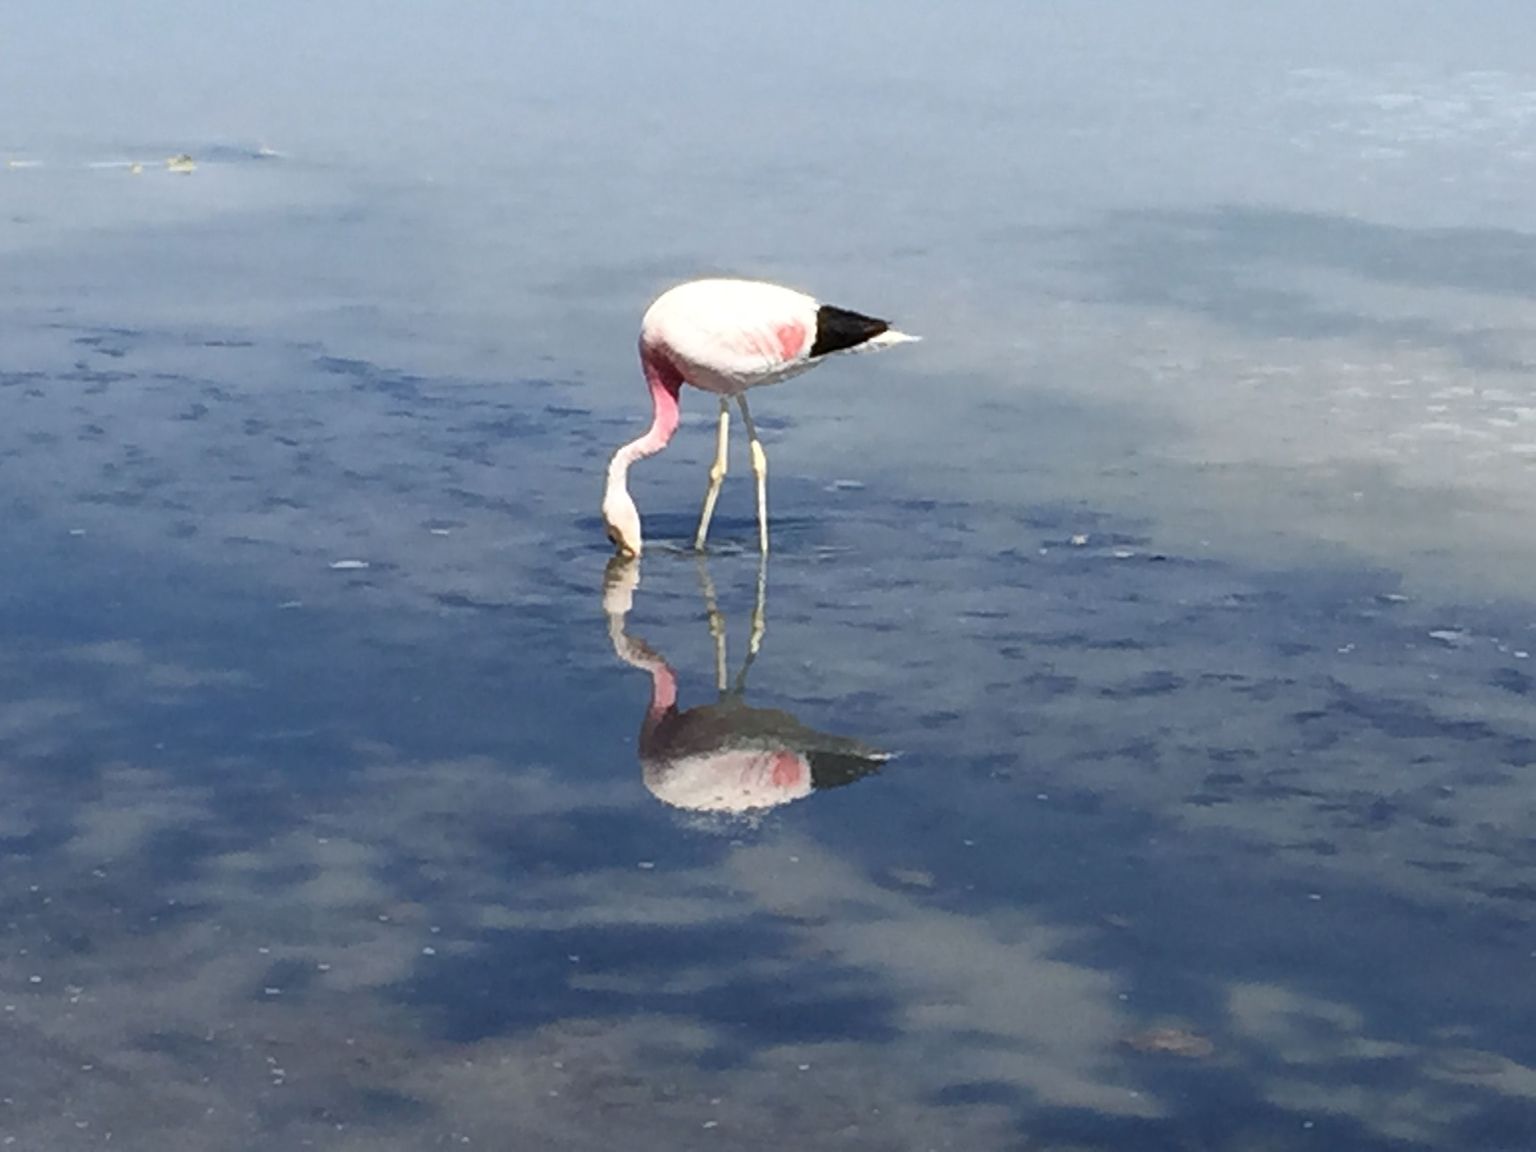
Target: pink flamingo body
x,y
724,337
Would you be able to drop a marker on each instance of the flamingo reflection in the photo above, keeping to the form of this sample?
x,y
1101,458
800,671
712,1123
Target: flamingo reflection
x,y
726,757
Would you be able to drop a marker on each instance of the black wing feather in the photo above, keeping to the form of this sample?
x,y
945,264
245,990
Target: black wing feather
x,y
838,329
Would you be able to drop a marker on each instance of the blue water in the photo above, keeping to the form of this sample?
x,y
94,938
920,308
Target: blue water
x,y
1180,570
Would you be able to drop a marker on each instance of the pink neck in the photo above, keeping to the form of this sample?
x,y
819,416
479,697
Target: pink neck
x,y
637,654
663,706
665,382
663,693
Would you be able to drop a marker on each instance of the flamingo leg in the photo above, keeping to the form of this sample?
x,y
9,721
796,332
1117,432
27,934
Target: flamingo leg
x,y
717,472
760,470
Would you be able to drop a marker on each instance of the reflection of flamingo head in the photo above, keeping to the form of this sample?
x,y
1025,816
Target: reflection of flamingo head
x,y
620,579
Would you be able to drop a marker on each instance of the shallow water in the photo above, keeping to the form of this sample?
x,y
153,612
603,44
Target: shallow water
x,y
1180,574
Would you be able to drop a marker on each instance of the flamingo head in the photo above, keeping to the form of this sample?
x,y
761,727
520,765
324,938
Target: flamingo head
x,y
621,520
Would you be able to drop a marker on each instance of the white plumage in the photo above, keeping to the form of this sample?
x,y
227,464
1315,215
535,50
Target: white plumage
x,y
728,330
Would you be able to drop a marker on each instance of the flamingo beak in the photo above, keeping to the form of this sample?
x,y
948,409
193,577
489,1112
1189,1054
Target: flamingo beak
x,y
617,541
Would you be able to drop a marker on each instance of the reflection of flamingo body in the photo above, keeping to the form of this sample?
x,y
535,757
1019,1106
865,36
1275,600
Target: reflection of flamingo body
x,y
726,336
725,757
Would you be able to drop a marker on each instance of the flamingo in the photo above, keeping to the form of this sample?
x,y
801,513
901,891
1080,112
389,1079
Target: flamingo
x,y
724,337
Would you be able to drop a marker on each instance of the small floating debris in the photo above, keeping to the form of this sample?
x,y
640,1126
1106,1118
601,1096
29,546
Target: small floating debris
x,y
181,162
1454,637
135,169
348,565
1079,539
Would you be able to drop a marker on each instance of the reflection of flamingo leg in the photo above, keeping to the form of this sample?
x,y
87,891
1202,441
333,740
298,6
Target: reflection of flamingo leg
x,y
759,622
716,622
717,625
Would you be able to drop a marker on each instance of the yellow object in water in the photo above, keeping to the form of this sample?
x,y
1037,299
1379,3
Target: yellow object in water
x,y
181,163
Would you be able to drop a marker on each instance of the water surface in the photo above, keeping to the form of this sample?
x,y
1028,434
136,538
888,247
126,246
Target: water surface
x,y
1181,570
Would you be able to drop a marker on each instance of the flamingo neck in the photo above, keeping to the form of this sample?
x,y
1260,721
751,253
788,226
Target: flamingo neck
x,y
663,694
663,708
665,384
637,654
